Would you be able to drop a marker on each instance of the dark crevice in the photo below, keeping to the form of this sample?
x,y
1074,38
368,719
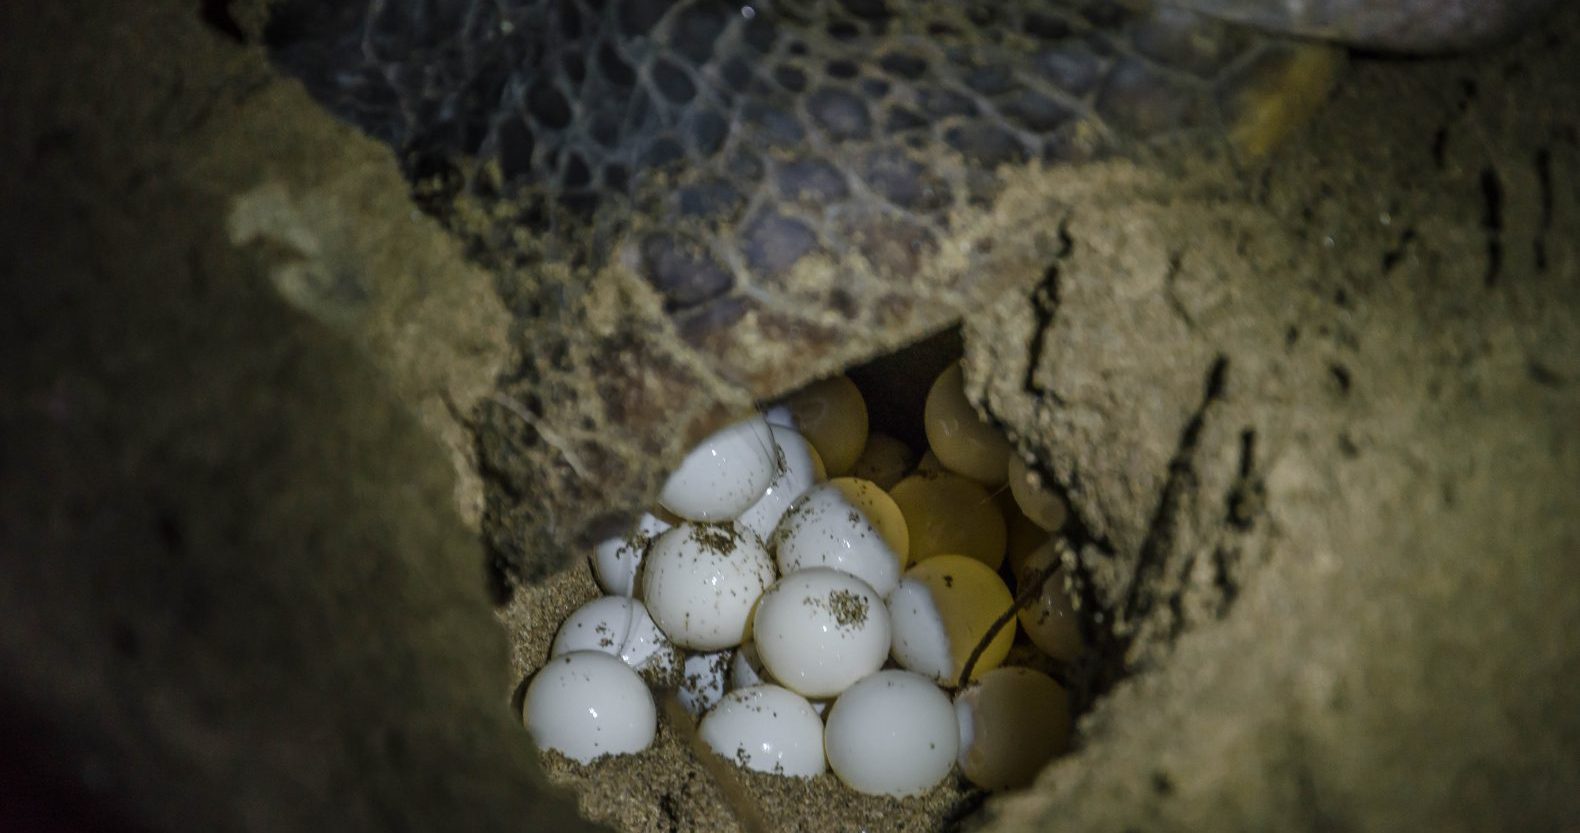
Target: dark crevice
x,y
1544,220
1247,495
1492,223
216,15
1045,300
1177,488
1544,375
1392,257
1341,378
1440,148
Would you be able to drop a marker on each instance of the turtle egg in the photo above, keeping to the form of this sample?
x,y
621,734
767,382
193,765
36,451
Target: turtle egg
x,y
832,415
799,468
586,704
700,582
1041,504
892,733
941,609
819,630
946,513
850,525
619,626
746,669
724,475
1012,722
702,678
616,561
1050,622
768,729
884,461
964,442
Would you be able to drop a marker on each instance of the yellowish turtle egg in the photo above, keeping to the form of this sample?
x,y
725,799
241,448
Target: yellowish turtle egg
x,y
1012,722
1021,535
941,610
832,415
884,461
1040,503
1051,621
946,513
964,442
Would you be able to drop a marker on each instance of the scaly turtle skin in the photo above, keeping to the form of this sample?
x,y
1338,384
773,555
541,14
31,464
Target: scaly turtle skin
x,y
691,203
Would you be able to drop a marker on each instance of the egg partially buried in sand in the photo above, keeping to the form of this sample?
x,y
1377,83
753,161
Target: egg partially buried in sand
x,y
700,582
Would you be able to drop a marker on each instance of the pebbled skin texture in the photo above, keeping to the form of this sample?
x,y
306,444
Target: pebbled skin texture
x,y
693,205
690,205
715,148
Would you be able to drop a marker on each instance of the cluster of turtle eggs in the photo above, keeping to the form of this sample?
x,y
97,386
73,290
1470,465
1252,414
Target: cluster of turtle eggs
x,y
785,602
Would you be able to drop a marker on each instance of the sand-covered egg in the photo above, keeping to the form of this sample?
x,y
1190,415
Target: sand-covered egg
x,y
819,630
964,442
766,728
619,626
1012,722
1036,499
849,525
949,514
892,733
832,415
1051,621
724,475
798,468
616,561
704,678
941,610
587,704
700,582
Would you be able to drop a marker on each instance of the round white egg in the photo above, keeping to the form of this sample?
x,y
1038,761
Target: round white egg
x,y
919,640
617,560
892,733
702,680
823,529
768,729
819,630
724,475
798,470
700,582
619,626
587,704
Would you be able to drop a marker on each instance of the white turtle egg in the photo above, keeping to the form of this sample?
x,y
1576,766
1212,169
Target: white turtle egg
x,y
700,582
619,626
850,525
586,704
799,468
768,729
892,733
724,475
746,668
616,561
1012,722
819,630
702,678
